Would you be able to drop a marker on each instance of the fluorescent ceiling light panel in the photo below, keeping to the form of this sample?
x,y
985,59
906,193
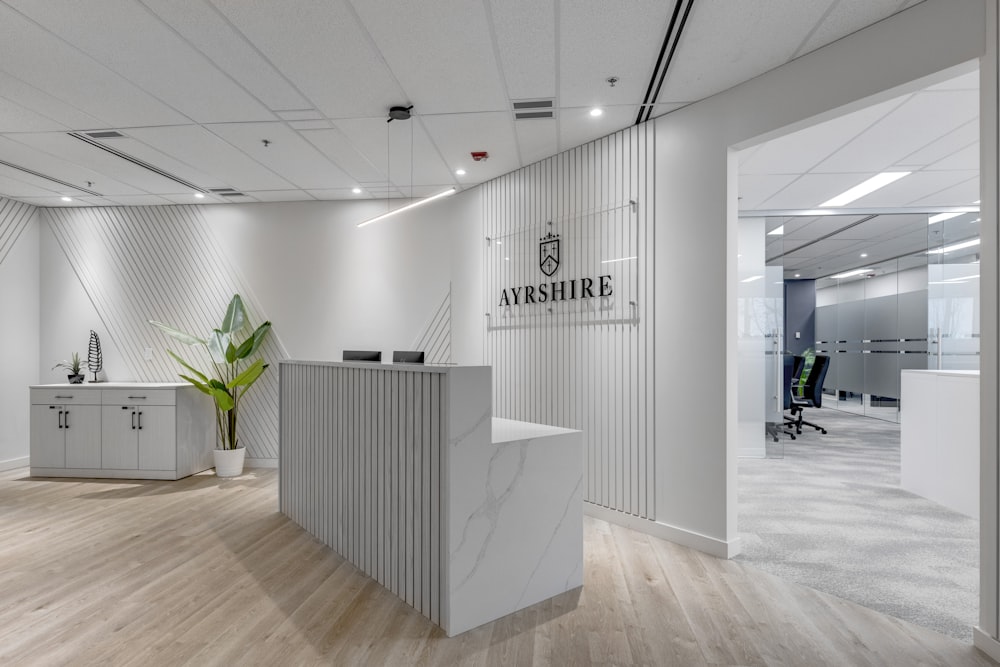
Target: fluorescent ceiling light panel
x,y
751,279
941,217
855,272
953,247
449,191
866,188
777,231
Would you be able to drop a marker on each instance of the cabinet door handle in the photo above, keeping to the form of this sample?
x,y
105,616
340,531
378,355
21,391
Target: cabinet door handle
x,y
65,418
60,418
133,420
70,396
140,420
142,397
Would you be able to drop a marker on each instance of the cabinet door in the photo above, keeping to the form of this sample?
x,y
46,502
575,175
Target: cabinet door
x,y
157,437
82,428
48,444
119,438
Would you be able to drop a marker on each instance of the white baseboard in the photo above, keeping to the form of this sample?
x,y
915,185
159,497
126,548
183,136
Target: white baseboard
x,y
985,643
10,464
260,463
687,538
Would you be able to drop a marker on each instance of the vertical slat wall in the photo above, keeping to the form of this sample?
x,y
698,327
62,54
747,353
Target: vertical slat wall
x,y
162,262
360,468
582,371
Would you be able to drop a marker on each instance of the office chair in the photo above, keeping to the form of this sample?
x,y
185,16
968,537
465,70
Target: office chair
x,y
810,394
793,372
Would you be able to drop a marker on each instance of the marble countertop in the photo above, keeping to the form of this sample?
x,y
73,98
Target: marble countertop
x,y
508,430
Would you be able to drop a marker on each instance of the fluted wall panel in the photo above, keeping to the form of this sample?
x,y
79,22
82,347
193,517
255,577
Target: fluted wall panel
x,y
14,219
584,363
163,263
361,468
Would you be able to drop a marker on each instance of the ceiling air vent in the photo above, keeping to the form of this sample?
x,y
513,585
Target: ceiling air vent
x,y
532,109
226,192
105,134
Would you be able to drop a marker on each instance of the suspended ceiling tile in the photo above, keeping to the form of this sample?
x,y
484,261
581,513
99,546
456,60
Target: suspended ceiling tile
x,y
526,38
288,154
758,188
966,159
800,151
912,187
904,131
961,194
662,109
14,187
598,40
161,160
459,74
457,135
577,127
339,149
824,248
138,200
321,48
53,165
195,145
371,136
725,43
810,190
284,195
33,54
45,105
944,145
16,118
968,81
370,139
536,139
189,198
209,32
335,194
846,17
128,39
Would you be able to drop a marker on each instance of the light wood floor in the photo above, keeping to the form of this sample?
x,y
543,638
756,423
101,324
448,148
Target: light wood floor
x,y
206,571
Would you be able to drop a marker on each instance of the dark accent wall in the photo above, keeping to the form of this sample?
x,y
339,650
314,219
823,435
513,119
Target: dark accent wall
x,y
800,315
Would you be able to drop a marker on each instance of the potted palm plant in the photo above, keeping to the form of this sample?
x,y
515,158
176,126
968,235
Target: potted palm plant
x,y
232,373
73,366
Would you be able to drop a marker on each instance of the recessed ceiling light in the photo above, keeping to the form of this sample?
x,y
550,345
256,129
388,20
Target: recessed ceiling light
x,y
66,198
863,255
356,191
460,172
867,187
954,246
855,272
199,195
777,231
595,112
798,275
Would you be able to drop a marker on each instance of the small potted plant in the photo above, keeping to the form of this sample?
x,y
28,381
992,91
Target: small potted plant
x,y
73,366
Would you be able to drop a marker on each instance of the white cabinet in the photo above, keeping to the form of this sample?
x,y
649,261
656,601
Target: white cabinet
x,y
156,431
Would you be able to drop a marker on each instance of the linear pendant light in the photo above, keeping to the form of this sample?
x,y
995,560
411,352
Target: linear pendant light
x,y
867,187
449,191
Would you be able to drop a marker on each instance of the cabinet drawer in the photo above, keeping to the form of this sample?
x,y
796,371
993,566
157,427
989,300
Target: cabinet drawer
x,y
140,396
76,395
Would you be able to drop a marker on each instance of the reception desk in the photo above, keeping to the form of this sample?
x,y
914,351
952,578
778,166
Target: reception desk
x,y
403,471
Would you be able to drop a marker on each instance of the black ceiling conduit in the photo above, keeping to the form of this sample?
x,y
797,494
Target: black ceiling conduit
x,y
670,41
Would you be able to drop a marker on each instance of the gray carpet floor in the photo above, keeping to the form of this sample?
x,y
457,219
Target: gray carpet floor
x,y
830,515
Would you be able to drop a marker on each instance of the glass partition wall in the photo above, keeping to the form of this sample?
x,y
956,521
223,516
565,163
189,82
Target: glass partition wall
x,y
892,292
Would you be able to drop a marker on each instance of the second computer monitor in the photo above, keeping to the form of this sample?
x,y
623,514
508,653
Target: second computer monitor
x,y
407,357
363,355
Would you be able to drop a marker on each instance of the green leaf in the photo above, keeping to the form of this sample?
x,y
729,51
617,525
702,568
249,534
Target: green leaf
x,y
230,353
185,338
222,398
249,376
201,376
253,343
200,386
217,344
234,316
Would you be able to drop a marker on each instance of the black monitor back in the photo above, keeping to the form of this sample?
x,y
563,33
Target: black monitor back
x,y
407,357
363,355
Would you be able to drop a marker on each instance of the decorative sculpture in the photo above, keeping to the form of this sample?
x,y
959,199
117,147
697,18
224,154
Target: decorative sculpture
x,y
95,360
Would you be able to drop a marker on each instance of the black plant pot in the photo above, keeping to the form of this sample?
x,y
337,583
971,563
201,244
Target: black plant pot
x,y
75,379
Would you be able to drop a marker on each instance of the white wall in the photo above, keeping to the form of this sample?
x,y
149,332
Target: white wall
x,y
19,334
696,219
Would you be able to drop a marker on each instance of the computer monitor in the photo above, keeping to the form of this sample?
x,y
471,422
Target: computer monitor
x,y
407,357
363,355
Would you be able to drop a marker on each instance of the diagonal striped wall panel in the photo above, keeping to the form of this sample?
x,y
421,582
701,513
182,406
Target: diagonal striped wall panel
x,y
14,219
435,341
558,362
163,263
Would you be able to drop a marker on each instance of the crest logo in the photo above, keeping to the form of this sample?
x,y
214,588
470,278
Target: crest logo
x,y
548,253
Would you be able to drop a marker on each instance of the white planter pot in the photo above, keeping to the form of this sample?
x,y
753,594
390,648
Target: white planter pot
x,y
229,462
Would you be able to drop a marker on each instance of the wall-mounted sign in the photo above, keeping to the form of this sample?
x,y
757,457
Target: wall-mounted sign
x,y
584,273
